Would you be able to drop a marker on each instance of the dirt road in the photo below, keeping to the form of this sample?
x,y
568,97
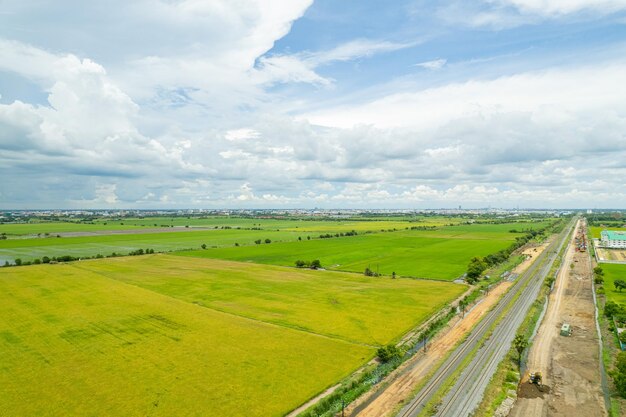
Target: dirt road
x,y
531,254
408,376
569,365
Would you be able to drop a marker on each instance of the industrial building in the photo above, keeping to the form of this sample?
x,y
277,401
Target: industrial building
x,y
613,239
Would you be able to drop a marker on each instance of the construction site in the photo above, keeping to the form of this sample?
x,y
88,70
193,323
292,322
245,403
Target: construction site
x,y
562,375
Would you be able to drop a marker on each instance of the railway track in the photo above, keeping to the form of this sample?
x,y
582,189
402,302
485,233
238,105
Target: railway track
x,y
469,387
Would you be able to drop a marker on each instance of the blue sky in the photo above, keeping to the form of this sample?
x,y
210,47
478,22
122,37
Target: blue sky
x,y
301,103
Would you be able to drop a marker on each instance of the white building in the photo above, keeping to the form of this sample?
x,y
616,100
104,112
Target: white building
x,y
613,239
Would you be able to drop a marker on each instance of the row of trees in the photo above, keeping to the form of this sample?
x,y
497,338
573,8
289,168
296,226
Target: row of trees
x,y
70,258
342,234
479,265
314,264
617,312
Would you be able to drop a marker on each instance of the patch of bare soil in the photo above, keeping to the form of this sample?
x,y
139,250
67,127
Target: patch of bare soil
x,y
531,254
528,390
569,364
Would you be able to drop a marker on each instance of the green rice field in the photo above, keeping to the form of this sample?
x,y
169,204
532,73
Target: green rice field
x,y
162,335
442,254
28,249
333,304
294,224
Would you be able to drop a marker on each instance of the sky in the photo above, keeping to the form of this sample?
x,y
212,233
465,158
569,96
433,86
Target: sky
x,y
300,104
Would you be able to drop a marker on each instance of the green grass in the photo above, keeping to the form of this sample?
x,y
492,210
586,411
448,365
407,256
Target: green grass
x,y
409,253
595,230
124,337
340,305
611,273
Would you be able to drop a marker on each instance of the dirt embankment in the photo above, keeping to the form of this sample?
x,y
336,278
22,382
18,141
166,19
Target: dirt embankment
x,y
569,364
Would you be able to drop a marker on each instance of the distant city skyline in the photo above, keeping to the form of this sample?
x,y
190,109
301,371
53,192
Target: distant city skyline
x,y
301,104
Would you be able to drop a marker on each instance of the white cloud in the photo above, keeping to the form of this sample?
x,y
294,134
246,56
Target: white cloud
x,y
183,115
432,65
301,67
549,94
241,134
563,7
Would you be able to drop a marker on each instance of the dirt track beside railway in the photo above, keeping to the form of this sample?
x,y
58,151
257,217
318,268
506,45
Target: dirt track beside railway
x,y
570,365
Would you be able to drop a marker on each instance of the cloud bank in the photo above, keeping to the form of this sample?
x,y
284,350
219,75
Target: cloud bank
x,y
204,117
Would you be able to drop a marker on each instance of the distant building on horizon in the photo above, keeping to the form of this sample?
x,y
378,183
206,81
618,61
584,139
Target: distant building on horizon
x,y
613,239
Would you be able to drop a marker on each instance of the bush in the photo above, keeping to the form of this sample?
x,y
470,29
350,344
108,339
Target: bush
x,y
389,352
611,308
268,241
511,377
619,374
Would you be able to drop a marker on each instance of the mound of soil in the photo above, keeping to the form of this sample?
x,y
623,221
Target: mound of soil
x,y
528,390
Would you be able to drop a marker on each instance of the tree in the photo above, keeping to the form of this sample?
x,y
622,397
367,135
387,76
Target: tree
x,y
520,344
258,241
619,284
619,374
268,241
599,280
389,352
18,262
300,263
299,237
463,305
316,264
611,308
622,337
598,270
45,260
203,246
393,275
475,269
368,272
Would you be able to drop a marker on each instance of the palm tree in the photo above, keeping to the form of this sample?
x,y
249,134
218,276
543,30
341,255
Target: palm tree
x,y
520,344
